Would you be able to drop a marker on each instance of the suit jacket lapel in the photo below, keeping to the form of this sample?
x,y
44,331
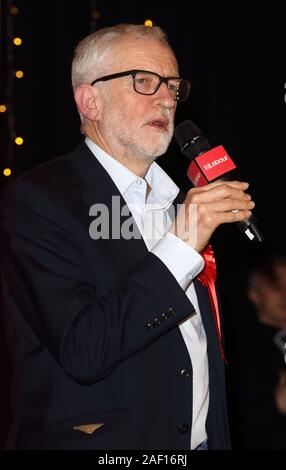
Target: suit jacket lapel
x,y
95,186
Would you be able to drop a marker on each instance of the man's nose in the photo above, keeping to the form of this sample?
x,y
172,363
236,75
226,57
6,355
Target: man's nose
x,y
163,97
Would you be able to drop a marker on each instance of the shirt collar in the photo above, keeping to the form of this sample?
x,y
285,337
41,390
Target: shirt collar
x,y
163,187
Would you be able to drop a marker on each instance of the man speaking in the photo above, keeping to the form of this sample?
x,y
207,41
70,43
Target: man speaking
x,y
113,340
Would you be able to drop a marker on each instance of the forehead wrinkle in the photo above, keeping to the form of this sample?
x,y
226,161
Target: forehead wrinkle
x,y
150,55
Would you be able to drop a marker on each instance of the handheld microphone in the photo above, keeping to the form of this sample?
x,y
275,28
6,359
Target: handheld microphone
x,y
208,165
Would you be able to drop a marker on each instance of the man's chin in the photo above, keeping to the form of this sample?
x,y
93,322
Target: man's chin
x,y
152,154
159,149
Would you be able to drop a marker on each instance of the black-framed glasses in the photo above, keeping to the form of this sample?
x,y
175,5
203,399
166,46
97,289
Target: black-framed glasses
x,y
148,83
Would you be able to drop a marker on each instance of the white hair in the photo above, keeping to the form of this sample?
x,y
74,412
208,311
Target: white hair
x,y
92,53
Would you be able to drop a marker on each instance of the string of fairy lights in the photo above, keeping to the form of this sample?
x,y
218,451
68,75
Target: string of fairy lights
x,y
13,72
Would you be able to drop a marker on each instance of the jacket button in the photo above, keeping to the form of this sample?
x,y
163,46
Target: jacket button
x,y
149,326
184,428
186,373
171,311
156,322
164,316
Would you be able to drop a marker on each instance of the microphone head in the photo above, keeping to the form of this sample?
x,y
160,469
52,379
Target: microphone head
x,y
186,131
190,139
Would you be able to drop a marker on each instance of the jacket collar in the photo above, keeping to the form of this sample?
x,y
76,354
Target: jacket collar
x,y
95,185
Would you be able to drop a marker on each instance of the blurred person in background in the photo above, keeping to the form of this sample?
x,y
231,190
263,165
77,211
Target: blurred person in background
x,y
262,370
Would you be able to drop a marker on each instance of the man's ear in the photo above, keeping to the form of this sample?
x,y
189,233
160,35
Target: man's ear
x,y
87,102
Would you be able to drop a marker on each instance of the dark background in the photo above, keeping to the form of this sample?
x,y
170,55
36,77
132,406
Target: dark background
x,y
235,57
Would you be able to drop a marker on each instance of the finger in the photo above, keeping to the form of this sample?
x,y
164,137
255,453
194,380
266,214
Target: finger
x,y
223,191
233,205
235,184
230,217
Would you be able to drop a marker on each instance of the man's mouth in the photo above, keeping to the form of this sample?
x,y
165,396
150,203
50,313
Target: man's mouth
x,y
159,123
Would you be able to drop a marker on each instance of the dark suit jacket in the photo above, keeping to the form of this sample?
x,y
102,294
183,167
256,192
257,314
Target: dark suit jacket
x,y
92,324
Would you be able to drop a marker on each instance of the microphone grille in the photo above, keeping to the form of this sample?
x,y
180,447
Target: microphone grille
x,y
185,132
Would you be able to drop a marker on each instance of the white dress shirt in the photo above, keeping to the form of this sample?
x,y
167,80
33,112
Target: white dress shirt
x,y
149,209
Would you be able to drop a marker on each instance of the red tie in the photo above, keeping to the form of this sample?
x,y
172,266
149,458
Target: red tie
x,y
208,277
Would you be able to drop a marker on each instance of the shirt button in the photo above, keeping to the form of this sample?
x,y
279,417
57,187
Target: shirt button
x,y
186,373
184,428
139,181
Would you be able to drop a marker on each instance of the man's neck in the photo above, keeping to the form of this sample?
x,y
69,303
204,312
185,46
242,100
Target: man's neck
x,y
138,166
